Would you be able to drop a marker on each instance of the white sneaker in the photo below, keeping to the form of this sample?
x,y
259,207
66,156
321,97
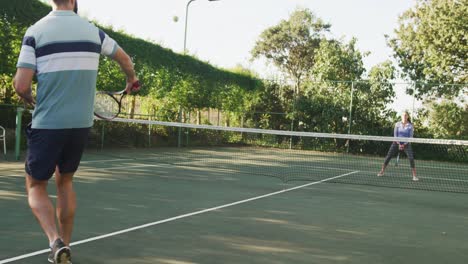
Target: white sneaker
x,y
415,178
380,174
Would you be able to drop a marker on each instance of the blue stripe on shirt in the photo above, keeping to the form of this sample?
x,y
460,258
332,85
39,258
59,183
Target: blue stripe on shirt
x,y
29,41
102,35
68,47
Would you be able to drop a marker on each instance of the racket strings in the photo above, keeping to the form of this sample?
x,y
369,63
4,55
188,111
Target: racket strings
x,y
106,106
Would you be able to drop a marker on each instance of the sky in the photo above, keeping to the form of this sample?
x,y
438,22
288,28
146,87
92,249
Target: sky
x,y
224,32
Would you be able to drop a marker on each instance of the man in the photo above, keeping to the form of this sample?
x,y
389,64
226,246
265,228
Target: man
x,y
62,50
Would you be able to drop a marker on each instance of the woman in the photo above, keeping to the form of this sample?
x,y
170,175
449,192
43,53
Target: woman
x,y
402,129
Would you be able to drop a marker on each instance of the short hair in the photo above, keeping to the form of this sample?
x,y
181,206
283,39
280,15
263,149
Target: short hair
x,y
60,2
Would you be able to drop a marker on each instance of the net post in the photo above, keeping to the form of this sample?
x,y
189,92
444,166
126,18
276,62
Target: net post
x,y
150,118
351,108
102,135
19,115
242,125
350,113
291,138
414,92
187,131
294,113
179,136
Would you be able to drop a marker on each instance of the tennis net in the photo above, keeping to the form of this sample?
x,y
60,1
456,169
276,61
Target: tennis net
x,y
441,165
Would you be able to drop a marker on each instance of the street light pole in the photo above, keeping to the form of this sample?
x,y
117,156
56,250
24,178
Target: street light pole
x,y
186,23
179,141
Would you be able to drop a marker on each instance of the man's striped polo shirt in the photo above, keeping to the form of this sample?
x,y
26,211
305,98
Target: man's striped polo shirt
x,y
64,51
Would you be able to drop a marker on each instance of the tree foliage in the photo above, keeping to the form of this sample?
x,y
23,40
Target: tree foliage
x,y
10,43
446,119
328,104
170,80
292,44
326,85
336,60
371,100
431,45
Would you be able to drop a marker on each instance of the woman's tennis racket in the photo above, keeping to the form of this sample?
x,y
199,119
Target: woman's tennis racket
x,y
398,156
107,105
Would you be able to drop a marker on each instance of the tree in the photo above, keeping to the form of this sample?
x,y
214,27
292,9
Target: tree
x,y
291,45
327,101
10,45
336,60
447,119
371,115
325,105
267,106
431,45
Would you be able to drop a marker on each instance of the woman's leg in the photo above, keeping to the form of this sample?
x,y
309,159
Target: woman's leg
x,y
391,152
410,154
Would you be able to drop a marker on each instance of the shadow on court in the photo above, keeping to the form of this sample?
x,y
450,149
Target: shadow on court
x,y
318,223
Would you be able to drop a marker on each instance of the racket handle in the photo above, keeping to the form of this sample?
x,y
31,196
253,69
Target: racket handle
x,y
136,86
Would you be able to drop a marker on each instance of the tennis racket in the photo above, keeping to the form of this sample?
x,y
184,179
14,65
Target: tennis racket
x,y
398,156
107,105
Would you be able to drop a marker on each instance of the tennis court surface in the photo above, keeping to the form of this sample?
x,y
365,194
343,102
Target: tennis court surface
x,y
248,198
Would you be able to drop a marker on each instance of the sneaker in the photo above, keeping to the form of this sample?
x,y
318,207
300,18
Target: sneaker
x,y
380,174
415,178
60,253
50,258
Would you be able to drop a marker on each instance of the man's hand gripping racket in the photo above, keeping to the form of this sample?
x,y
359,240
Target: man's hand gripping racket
x,y
107,105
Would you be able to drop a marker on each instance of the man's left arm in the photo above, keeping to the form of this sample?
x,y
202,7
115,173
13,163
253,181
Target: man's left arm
x,y
22,83
26,68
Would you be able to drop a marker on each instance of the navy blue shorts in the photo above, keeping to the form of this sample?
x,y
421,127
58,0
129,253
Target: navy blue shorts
x,y
48,148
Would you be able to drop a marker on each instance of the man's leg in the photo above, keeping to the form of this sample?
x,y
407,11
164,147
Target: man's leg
x,y
66,204
64,172
42,206
44,149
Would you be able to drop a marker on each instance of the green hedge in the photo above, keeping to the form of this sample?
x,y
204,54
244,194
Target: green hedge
x,y
28,12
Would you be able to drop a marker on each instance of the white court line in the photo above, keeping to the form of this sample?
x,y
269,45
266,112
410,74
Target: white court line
x,y
181,165
376,162
313,167
175,218
124,167
420,177
443,179
111,160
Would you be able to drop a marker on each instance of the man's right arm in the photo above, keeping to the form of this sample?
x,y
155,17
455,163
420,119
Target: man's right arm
x,y
112,50
126,64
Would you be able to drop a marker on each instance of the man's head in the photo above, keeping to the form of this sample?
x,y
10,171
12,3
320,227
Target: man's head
x,y
65,5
